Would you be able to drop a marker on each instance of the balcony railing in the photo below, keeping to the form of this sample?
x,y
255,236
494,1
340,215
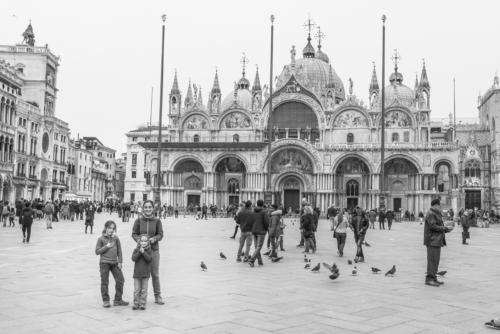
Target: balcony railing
x,y
389,146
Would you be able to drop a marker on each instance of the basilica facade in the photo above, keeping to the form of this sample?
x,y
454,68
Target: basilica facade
x,y
324,144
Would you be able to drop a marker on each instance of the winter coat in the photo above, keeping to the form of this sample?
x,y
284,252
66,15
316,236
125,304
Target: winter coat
x,y
142,266
434,229
372,216
465,221
274,228
244,219
359,224
260,219
151,226
27,216
109,255
307,224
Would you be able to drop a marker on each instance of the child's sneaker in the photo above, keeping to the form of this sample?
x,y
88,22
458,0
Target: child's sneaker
x,y
106,304
142,307
135,307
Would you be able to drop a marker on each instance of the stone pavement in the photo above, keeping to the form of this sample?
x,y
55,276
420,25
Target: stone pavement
x,y
52,284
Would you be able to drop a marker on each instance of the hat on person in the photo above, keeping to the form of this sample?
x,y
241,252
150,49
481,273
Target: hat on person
x,y
435,201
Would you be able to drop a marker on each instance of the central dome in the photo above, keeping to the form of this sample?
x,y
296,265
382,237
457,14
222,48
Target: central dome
x,y
312,73
243,99
397,93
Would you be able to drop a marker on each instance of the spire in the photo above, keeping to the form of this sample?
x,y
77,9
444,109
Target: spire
x,y
256,82
308,51
374,87
424,81
215,86
188,101
416,83
331,82
495,80
199,102
175,85
29,35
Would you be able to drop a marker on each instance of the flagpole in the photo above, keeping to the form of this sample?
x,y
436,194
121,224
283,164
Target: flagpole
x,y
382,139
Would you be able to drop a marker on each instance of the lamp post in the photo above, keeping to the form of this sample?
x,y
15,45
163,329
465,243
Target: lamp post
x,y
268,196
382,138
158,167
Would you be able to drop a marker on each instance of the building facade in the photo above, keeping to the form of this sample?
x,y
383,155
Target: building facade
x,y
324,143
41,139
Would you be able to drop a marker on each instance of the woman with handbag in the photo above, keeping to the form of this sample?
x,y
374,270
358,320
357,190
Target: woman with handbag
x,y
339,228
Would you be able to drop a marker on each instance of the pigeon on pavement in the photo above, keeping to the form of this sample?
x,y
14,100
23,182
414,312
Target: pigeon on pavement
x,y
305,258
203,266
349,262
307,266
375,270
391,272
355,271
316,268
334,275
222,256
442,273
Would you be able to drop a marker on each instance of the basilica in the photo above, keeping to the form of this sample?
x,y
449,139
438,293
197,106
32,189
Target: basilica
x,y
324,144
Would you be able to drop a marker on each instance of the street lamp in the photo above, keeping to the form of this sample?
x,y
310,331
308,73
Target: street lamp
x,y
158,167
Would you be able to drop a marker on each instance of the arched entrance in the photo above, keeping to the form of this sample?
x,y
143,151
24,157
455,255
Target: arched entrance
x,y
352,179
291,190
188,174
229,180
401,183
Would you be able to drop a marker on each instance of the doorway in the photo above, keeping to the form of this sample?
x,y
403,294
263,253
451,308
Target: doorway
x,y
396,204
292,199
352,203
234,200
193,200
473,199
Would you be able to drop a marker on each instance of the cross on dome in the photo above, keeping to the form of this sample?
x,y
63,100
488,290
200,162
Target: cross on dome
x,y
396,58
244,63
319,35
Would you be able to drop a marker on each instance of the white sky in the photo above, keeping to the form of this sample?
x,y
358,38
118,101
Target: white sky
x,y
110,50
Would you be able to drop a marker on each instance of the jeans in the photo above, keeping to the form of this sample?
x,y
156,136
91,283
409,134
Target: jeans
x,y
176,213
48,217
464,234
155,272
246,237
27,232
359,238
274,245
381,225
433,256
140,291
204,214
105,268
259,242
341,237
389,223
309,242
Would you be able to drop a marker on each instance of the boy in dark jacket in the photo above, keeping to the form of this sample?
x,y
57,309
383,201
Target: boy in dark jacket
x,y
142,270
110,250
260,220
244,220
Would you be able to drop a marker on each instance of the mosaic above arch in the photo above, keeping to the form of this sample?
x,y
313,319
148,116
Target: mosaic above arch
x,y
236,120
196,122
291,159
397,119
350,119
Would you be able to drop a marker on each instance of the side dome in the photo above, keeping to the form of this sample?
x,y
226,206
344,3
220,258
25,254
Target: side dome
x,y
398,93
243,99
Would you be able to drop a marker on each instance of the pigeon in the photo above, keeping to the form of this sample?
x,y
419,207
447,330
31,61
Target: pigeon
x,y
355,271
391,272
331,268
308,260
375,270
442,273
316,268
307,266
334,276
203,266
349,262
305,258
356,260
277,259
222,256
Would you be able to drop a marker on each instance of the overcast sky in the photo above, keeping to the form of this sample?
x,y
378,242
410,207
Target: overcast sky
x,y
110,50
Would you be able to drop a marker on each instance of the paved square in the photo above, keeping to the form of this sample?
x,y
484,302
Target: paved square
x,y
52,284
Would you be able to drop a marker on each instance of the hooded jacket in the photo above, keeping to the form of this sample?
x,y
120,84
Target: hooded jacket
x,y
260,220
244,219
150,226
274,228
142,266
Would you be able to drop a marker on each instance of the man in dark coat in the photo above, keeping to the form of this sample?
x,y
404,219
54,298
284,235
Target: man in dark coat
x,y
434,239
381,219
465,221
359,226
390,218
260,219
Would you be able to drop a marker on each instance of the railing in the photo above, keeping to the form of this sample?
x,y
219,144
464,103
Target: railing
x,y
393,146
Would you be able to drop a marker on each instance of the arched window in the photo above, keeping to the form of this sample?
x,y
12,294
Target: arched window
x,y
236,138
395,137
350,138
473,169
192,182
196,138
352,188
233,186
443,177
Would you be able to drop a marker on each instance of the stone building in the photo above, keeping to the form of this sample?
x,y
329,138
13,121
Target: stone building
x,y
119,180
325,143
40,170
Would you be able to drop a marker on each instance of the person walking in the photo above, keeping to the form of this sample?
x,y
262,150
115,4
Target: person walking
x,y
381,219
465,221
237,224
339,228
26,221
89,218
49,211
359,225
390,218
260,219
109,249
307,226
245,220
434,239
372,217
151,226
274,229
